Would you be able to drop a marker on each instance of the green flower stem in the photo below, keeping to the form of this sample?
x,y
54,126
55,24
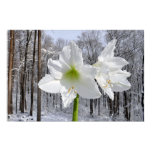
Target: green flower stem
x,y
75,108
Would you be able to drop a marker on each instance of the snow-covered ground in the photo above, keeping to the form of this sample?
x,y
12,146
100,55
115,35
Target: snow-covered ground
x,y
58,116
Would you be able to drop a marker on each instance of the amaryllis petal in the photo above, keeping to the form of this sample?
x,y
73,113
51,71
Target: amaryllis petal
x,y
105,87
116,76
55,68
87,88
89,70
108,51
109,92
116,62
119,80
49,84
121,86
76,54
65,56
71,55
68,96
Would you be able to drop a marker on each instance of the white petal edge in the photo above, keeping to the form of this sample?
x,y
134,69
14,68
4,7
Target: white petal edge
x,y
65,56
49,84
55,68
71,55
121,86
76,54
109,92
116,63
108,51
118,75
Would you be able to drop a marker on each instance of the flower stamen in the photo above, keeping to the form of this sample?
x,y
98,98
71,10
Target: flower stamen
x,y
70,89
108,81
105,86
75,92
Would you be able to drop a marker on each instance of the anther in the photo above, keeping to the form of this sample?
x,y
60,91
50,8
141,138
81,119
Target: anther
x,y
75,92
69,90
105,86
108,81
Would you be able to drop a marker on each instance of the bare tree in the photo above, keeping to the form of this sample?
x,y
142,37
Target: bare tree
x,y
59,44
32,80
23,90
11,50
39,77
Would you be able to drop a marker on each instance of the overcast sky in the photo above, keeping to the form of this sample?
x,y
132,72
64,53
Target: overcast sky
x,y
68,34
65,34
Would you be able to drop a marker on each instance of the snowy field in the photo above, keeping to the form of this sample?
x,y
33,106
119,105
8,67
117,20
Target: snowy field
x,y
54,117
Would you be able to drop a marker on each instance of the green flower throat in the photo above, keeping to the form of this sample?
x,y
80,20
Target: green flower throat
x,y
72,74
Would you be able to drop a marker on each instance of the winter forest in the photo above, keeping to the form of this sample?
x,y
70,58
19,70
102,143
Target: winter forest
x,y
28,54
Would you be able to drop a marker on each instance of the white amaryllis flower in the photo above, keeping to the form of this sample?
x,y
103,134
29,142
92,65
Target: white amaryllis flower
x,y
70,76
110,77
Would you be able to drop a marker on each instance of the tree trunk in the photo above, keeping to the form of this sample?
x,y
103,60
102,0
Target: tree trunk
x,y
24,73
116,104
98,107
21,93
142,95
39,77
110,106
17,90
60,102
32,80
19,77
91,107
25,92
28,86
125,106
11,51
